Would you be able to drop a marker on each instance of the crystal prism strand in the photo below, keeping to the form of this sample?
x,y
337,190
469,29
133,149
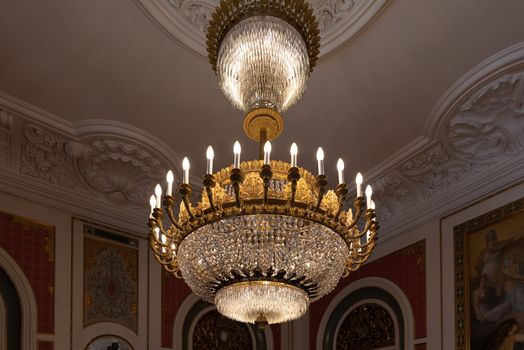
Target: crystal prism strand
x,y
263,61
229,243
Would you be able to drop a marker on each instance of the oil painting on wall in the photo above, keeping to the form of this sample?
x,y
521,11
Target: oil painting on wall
x,y
489,277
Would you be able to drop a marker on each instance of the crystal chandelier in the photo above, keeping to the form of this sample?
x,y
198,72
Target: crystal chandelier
x,y
267,238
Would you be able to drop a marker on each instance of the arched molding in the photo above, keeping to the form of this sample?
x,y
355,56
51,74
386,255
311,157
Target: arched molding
x,y
185,21
505,61
191,304
27,299
379,302
102,329
375,282
472,145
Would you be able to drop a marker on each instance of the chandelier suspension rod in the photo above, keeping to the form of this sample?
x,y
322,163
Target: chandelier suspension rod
x,y
261,143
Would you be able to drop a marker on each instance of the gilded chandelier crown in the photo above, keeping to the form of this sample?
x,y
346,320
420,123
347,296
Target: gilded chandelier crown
x,y
267,237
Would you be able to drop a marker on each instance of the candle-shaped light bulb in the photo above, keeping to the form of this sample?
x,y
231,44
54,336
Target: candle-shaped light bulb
x,y
358,180
320,160
267,152
158,193
236,153
152,203
169,179
340,169
293,151
157,233
185,168
210,154
369,191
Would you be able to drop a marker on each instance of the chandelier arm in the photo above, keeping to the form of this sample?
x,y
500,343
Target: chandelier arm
x,y
175,270
359,205
170,237
348,242
158,215
360,258
341,191
266,174
210,183
370,222
359,234
169,202
293,176
185,192
353,269
159,255
370,242
365,250
236,179
320,185
346,273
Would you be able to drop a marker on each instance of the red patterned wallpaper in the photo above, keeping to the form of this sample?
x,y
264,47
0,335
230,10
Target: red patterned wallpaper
x,y
32,246
405,268
174,291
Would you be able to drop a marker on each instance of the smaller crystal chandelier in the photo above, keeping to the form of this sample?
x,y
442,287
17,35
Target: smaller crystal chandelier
x,y
267,238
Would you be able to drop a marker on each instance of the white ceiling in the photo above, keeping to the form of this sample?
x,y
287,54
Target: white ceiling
x,y
106,59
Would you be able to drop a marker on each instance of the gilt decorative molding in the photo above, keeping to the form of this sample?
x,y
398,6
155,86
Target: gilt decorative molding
x,y
185,21
473,145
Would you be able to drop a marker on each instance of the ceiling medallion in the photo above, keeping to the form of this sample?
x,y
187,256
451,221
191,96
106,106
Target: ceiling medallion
x,y
267,238
186,21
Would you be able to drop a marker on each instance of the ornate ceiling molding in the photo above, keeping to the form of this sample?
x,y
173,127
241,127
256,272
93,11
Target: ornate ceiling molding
x,y
98,169
185,21
473,145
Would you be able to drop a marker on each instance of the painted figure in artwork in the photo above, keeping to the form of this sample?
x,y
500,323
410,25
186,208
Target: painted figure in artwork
x,y
482,304
513,276
488,261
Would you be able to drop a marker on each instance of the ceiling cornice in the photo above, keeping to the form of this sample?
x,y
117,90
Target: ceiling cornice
x,y
473,145
98,169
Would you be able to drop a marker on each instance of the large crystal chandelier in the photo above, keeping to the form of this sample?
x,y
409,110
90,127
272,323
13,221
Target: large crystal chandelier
x,y
267,238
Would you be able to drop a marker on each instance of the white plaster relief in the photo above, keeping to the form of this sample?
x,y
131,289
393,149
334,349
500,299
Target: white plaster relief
x,y
98,169
186,21
196,12
6,124
4,148
435,170
123,173
44,156
109,169
491,122
476,131
330,12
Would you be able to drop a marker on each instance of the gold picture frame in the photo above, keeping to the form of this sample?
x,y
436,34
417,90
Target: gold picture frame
x,y
489,275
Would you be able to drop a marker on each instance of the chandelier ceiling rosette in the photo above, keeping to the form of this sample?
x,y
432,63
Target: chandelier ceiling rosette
x,y
267,237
